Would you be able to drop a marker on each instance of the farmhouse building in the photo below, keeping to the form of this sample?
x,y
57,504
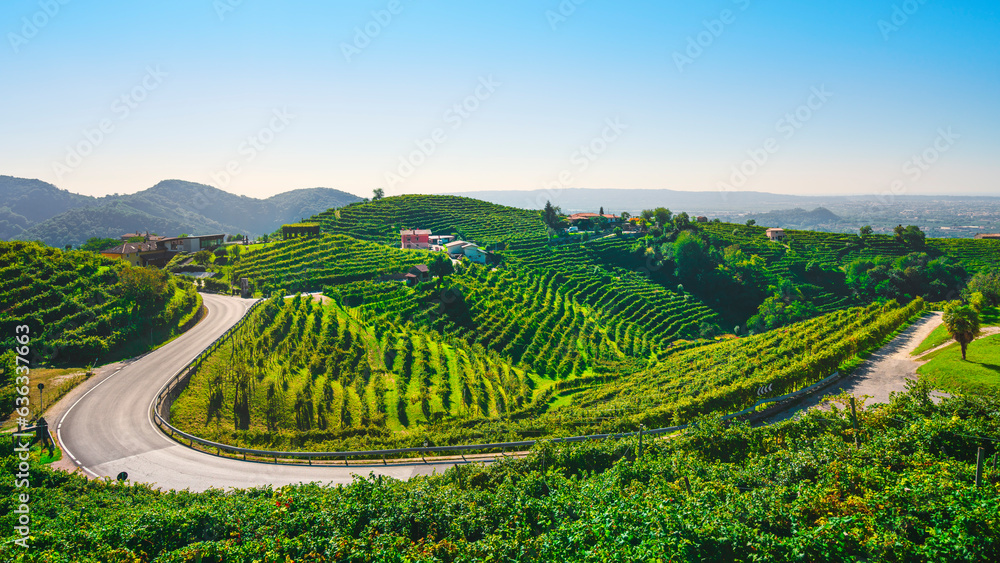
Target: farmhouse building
x,y
475,254
988,236
416,238
420,273
576,217
157,252
138,253
456,247
776,235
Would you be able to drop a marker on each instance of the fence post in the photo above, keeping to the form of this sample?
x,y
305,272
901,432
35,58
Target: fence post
x,y
979,468
639,456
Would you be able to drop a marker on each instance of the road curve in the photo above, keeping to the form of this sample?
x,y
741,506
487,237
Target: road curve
x,y
105,427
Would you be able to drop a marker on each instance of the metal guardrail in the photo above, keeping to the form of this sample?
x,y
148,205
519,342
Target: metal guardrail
x,y
383,455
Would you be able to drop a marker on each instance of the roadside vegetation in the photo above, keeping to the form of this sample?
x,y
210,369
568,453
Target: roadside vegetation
x,y
83,310
902,488
319,375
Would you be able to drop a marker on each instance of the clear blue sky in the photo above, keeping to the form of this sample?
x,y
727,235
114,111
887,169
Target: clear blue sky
x,y
343,117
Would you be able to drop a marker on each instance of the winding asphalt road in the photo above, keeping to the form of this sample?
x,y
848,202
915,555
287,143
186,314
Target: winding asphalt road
x,y
105,425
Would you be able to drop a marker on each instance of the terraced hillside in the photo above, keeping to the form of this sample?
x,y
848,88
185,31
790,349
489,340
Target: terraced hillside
x,y
726,376
305,372
470,219
83,308
308,264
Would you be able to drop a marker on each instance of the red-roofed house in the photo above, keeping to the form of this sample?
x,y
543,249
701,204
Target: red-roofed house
x,y
417,238
581,216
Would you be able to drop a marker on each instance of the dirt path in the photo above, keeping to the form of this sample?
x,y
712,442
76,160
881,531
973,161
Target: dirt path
x,y
885,371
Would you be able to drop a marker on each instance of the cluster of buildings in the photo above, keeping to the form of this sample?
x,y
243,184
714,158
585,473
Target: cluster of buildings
x,y
156,250
422,239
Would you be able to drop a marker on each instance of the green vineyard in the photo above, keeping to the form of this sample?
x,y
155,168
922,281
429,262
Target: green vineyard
x,y
306,372
548,339
468,218
308,264
726,376
82,308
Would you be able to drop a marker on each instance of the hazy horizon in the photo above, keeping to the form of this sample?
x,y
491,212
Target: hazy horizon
x,y
828,99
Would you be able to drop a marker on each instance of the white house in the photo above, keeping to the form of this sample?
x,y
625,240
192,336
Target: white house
x,y
440,240
476,254
776,235
456,246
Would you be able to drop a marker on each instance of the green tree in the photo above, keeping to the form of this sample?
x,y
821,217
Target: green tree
x,y
866,230
551,215
662,215
202,257
751,222
962,322
377,194
441,266
648,215
977,301
913,236
96,244
987,283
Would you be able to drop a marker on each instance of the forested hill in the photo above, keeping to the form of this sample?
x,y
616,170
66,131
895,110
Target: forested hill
x,y
24,203
171,207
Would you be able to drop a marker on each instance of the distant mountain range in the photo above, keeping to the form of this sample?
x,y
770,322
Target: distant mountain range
x,y
939,216
36,210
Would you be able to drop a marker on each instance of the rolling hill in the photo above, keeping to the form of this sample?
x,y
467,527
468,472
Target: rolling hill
x,y
34,210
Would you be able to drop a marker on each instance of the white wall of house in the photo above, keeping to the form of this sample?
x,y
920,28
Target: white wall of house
x,y
475,254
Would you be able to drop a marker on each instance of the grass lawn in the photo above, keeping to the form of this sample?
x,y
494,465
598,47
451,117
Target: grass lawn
x,y
979,374
937,337
57,383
